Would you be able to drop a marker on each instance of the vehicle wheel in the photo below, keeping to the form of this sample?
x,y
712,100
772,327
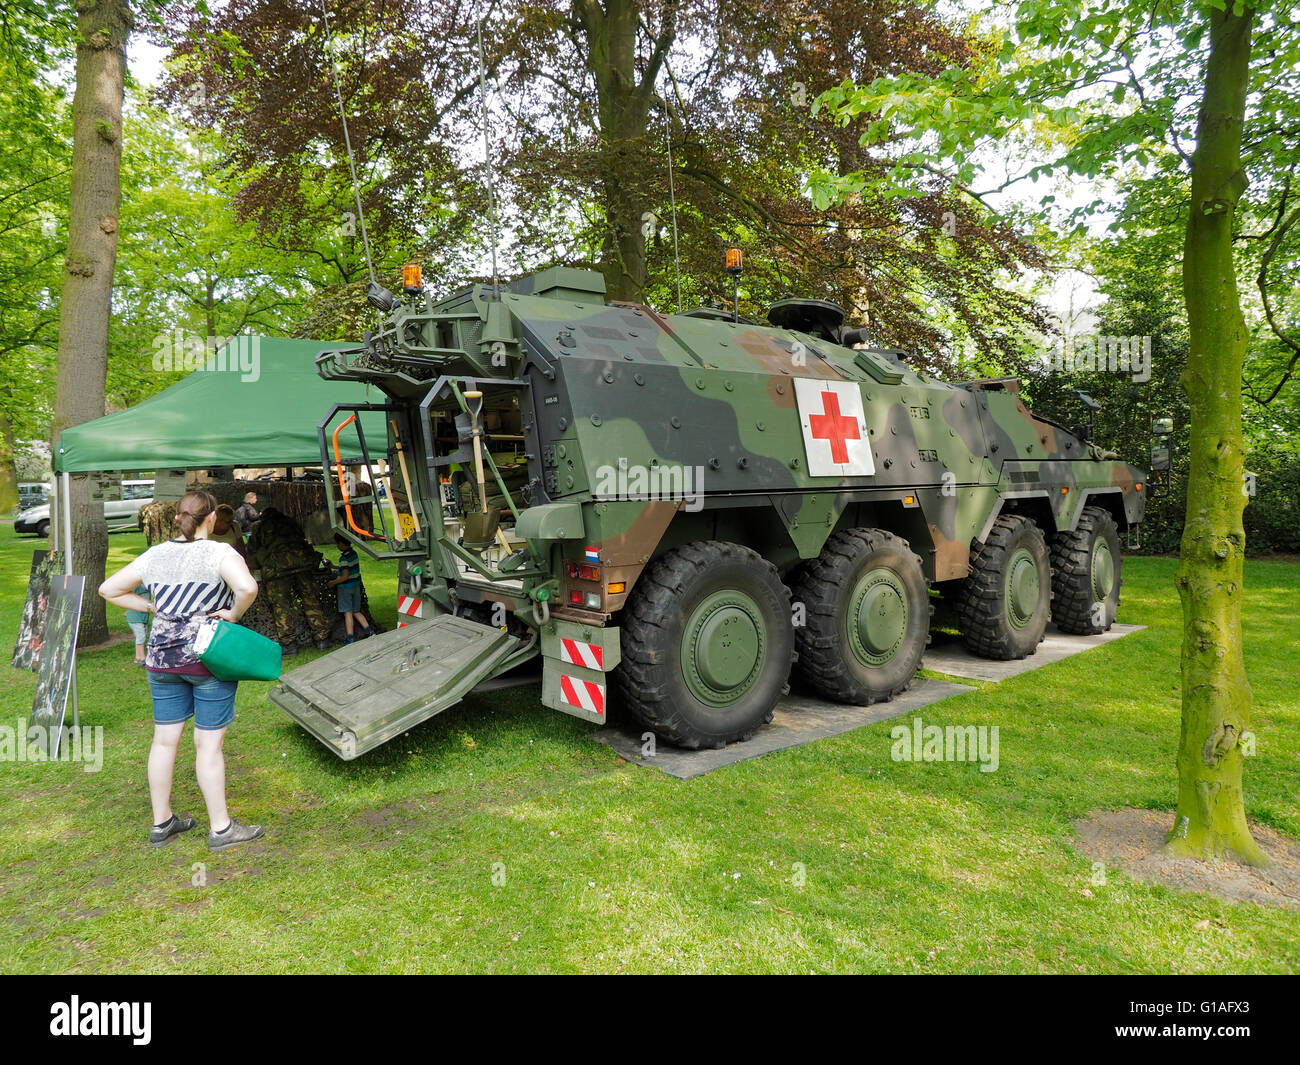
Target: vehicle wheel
x,y
1086,579
867,617
707,644
43,529
1002,606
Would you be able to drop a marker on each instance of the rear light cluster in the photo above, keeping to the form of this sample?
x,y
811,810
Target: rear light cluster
x,y
578,571
581,596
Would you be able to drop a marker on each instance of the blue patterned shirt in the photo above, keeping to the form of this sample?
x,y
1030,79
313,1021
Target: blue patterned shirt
x,y
184,579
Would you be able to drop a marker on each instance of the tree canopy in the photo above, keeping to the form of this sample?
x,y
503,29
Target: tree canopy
x,y
587,103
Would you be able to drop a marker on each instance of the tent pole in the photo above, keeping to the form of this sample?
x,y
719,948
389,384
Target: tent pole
x,y
56,512
67,523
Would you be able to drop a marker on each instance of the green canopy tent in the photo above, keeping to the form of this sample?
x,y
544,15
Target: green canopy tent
x,y
256,402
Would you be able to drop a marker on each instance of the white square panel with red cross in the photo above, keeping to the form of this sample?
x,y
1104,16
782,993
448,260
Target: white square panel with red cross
x,y
835,434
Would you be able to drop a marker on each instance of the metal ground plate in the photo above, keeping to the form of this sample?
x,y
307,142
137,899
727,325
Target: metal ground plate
x,y
947,654
799,719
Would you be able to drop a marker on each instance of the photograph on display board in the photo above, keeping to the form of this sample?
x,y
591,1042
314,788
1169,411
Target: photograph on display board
x,y
27,649
58,658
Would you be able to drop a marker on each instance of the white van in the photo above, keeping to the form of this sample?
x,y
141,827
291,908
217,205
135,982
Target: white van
x,y
119,514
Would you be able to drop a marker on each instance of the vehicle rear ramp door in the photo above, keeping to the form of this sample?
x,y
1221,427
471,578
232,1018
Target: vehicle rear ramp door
x,y
364,694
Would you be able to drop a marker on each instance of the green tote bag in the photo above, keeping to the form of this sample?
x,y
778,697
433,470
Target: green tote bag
x,y
232,652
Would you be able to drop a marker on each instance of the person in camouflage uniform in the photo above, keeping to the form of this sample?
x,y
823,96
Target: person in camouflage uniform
x,y
288,566
155,521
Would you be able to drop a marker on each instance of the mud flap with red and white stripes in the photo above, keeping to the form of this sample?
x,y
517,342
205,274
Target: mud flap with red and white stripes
x,y
585,695
575,661
582,653
409,606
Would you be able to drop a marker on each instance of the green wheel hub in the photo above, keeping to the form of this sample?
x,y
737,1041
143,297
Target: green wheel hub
x,y
1022,587
723,647
877,617
1103,571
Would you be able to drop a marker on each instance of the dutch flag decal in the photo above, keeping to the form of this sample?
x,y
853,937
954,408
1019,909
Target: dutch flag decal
x,y
593,554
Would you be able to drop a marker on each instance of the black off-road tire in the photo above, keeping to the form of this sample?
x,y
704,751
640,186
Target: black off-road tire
x,y
830,659
984,605
43,529
651,679
1074,556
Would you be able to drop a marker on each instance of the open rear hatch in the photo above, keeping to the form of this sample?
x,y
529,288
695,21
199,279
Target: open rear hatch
x,y
364,694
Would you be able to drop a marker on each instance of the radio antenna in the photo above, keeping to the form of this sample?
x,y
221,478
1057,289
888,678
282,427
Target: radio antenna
x,y
347,141
672,195
487,161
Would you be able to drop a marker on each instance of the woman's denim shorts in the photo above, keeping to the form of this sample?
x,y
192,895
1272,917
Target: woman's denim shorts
x,y
177,697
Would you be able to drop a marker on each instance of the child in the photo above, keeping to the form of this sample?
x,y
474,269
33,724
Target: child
x,y
348,583
138,620
225,530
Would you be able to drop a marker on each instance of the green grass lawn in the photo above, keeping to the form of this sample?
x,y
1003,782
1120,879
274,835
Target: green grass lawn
x,y
499,837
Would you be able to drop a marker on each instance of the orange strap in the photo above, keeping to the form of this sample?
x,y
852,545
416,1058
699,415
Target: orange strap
x,y
338,473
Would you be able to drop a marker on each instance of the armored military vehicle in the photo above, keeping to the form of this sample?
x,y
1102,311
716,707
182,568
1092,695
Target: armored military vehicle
x,y
672,511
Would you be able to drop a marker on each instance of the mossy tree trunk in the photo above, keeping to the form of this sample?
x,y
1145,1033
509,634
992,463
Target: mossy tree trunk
x,y
1211,820
8,466
102,30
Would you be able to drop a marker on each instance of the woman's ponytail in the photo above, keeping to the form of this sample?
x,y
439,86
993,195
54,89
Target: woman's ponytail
x,y
191,511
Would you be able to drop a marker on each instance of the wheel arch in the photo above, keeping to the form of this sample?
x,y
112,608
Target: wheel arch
x,y
1032,503
1110,500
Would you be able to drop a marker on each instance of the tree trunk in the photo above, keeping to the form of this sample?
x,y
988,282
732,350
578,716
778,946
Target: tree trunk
x,y
1211,819
102,30
623,106
8,466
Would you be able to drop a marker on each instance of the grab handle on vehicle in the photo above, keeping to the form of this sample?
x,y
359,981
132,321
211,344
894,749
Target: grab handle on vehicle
x,y
338,473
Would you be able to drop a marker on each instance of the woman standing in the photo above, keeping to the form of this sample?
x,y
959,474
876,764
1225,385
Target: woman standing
x,y
190,578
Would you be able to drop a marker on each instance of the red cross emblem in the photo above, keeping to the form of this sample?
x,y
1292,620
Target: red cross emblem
x,y
834,427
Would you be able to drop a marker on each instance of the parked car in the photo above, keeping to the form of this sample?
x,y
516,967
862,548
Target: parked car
x,y
32,494
119,514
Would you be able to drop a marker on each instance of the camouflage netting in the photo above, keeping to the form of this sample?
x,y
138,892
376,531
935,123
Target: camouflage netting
x,y
259,617
303,501
298,499
295,604
155,521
